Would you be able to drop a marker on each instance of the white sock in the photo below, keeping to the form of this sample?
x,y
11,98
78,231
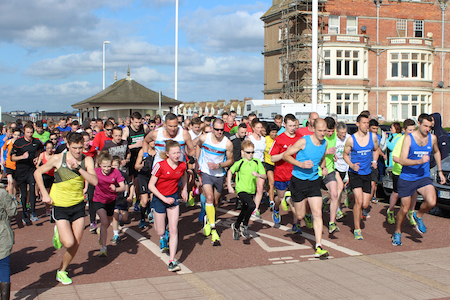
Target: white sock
x,y
116,232
317,245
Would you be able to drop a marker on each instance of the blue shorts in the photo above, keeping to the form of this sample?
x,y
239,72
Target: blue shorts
x,y
160,206
281,185
407,188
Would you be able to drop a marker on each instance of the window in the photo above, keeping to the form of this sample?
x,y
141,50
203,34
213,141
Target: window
x,y
343,62
402,28
410,65
249,107
343,103
327,62
333,24
352,25
418,28
409,106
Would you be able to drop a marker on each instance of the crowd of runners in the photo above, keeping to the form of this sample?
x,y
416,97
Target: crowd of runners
x,y
148,165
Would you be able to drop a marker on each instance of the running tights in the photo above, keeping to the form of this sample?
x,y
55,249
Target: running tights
x,y
248,206
24,191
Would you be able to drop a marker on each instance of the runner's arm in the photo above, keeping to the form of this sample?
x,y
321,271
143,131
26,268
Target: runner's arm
x,y
437,158
89,175
346,155
151,136
53,162
190,150
287,155
230,158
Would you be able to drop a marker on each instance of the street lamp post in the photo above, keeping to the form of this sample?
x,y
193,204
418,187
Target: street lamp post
x,y
104,43
443,5
176,50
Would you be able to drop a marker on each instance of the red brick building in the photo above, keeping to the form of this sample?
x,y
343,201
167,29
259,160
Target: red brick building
x,y
388,57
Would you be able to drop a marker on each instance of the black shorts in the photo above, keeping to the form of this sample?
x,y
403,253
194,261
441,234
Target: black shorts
x,y
268,167
108,207
121,204
70,213
374,175
302,189
360,181
329,178
342,174
407,188
48,180
395,182
143,183
9,171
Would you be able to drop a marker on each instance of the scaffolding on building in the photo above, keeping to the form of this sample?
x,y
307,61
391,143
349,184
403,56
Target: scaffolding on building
x,y
296,40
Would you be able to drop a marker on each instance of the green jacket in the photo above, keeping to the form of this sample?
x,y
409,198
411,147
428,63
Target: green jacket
x,y
8,209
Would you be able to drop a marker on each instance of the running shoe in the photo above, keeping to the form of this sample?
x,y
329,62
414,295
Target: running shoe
x,y
325,203
256,214
166,235
296,229
206,226
276,216
244,231
56,242
142,224
115,239
202,214
340,215
214,236
320,253
390,217
99,237
284,202
62,277
150,216
420,226
397,239
272,205
332,228
25,220
309,221
136,206
93,227
173,266
191,200
374,200
103,252
409,215
357,234
163,244
33,217
365,214
236,234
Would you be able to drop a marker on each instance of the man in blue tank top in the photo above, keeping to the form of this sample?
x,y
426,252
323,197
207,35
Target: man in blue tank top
x,y
305,183
415,159
360,153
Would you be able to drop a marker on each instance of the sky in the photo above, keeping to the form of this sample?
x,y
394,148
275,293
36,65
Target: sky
x,y
51,51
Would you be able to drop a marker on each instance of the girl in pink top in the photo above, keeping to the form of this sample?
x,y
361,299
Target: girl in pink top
x,y
110,183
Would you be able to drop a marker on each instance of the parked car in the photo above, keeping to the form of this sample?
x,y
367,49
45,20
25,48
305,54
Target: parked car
x,y
442,190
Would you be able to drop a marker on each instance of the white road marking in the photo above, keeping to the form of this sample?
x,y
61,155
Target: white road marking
x,y
311,237
154,249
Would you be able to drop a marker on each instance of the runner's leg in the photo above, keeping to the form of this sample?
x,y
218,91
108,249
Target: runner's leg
x,y
173,215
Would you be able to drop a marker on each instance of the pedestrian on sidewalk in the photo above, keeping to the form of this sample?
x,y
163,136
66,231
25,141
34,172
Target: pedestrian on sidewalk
x,y
8,209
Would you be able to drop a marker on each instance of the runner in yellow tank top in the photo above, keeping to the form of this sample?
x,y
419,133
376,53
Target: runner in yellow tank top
x,y
66,195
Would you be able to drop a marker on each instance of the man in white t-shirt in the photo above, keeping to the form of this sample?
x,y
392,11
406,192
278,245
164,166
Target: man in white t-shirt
x,y
340,165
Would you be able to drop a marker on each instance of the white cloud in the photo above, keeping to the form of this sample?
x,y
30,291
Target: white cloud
x,y
46,97
236,31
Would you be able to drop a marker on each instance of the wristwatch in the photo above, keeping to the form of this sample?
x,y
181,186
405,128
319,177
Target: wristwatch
x,y
220,165
78,168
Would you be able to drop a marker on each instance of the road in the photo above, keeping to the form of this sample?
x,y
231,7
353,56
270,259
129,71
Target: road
x,y
34,260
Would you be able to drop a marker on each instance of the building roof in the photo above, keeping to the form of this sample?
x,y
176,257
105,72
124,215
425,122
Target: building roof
x,y
126,91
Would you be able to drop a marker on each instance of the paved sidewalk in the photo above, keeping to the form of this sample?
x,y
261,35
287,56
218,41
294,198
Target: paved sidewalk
x,y
420,274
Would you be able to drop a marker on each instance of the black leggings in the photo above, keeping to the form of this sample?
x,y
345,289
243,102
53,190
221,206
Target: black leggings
x,y
24,191
248,206
90,196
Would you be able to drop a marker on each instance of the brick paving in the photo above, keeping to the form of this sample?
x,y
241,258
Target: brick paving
x,y
417,274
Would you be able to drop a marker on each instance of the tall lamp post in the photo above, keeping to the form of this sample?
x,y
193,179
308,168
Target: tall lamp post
x,y
104,43
176,50
443,5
